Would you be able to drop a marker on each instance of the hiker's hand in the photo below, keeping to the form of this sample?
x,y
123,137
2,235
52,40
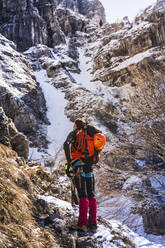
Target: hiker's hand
x,y
68,173
67,169
99,165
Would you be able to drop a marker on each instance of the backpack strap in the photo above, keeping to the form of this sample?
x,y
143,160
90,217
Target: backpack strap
x,y
86,145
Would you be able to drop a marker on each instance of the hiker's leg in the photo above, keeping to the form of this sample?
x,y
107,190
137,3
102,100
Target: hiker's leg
x,y
92,211
90,186
92,201
81,186
83,202
83,211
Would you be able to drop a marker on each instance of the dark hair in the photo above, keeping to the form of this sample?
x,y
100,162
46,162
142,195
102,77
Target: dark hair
x,y
80,123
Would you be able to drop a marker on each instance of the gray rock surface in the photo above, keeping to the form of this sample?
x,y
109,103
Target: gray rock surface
x,y
31,22
20,95
118,45
10,136
153,218
91,8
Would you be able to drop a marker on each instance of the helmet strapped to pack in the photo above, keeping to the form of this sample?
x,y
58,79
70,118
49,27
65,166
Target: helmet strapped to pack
x,y
99,141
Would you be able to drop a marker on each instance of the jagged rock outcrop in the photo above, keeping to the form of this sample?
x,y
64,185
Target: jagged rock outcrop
x,y
10,136
20,95
21,19
118,47
91,9
32,22
153,218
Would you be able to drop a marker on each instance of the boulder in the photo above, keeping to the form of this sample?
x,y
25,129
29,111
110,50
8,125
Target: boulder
x,y
10,136
153,218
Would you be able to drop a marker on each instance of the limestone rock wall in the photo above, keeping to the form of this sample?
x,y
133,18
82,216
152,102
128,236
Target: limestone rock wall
x,y
10,136
32,22
121,44
91,8
20,95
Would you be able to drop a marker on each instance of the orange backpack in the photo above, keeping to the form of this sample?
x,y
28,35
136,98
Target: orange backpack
x,y
88,142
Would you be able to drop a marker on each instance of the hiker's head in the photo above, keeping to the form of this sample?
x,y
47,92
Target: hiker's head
x,y
79,124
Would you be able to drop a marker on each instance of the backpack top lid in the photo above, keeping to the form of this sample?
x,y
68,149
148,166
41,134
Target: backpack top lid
x,y
99,141
92,130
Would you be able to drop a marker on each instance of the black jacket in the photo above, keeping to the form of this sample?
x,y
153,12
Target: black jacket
x,y
71,138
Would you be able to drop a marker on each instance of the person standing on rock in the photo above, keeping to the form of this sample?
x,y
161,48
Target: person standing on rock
x,y
82,150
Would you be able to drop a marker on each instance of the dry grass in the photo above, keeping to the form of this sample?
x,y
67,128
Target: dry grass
x,y
18,227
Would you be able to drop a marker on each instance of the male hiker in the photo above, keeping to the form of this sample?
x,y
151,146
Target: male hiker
x,y
82,149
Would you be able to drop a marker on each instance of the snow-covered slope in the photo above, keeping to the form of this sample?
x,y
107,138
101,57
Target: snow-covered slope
x,y
59,126
109,234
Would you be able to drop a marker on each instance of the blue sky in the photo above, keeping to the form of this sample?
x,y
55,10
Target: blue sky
x,y
117,9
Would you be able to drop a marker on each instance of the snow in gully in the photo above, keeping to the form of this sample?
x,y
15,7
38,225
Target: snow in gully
x,y
60,125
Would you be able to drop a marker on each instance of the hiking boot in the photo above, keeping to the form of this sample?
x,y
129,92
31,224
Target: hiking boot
x,y
80,228
83,228
93,227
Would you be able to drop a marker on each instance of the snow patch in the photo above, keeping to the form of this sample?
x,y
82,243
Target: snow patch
x,y
60,126
137,28
133,60
132,182
59,203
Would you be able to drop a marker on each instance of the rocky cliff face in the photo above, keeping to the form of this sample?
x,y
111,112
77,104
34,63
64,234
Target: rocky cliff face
x,y
91,9
20,95
32,22
132,57
119,46
10,136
